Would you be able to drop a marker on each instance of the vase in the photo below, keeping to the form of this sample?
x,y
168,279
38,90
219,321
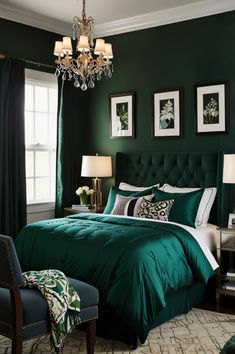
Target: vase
x,y
83,199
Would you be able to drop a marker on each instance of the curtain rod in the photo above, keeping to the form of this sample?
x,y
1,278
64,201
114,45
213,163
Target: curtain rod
x,y
3,56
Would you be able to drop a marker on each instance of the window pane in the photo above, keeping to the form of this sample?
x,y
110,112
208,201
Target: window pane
x,y
42,189
52,100
29,128
41,98
40,136
29,164
42,163
52,129
41,128
29,189
29,97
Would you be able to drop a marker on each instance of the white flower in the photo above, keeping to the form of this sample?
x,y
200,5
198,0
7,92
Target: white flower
x,y
84,190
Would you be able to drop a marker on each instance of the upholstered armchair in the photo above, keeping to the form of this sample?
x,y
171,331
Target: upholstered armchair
x,y
24,312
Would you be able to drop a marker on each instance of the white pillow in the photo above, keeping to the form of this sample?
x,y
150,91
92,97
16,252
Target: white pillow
x,y
128,187
205,204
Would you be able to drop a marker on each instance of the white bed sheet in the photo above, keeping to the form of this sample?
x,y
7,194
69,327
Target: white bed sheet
x,y
204,235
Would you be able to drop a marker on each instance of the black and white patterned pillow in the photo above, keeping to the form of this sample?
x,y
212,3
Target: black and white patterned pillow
x,y
128,205
155,210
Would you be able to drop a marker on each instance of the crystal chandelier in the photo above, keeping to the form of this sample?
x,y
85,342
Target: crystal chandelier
x,y
83,67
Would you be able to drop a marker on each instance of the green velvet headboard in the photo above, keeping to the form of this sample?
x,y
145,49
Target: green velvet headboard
x,y
181,169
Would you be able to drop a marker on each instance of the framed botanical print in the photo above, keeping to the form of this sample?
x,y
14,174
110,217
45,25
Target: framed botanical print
x,y
122,115
211,102
166,117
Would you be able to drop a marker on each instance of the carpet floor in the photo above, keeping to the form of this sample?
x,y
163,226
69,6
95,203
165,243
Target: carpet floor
x,y
197,332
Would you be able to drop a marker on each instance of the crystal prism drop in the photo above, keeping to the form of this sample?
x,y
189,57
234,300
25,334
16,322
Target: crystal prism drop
x,y
98,76
64,76
84,86
91,84
57,72
76,83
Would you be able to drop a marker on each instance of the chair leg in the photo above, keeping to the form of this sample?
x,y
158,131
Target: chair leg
x,y
17,322
90,336
17,344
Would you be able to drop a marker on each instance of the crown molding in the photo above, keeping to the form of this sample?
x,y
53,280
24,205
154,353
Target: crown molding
x,y
35,20
164,17
154,19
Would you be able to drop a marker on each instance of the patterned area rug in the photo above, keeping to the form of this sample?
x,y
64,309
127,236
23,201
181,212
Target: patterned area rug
x,y
198,332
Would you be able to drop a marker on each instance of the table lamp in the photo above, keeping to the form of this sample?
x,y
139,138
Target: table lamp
x,y
96,167
229,170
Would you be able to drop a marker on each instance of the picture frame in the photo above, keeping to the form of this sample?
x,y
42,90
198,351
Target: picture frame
x,y
211,108
122,115
231,220
167,113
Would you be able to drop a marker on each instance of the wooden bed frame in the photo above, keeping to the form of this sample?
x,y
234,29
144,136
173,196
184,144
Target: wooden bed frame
x,y
181,170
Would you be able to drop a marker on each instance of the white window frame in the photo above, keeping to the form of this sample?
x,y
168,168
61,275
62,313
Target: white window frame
x,y
40,78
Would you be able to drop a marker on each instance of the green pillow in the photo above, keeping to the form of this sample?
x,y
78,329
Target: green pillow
x,y
114,191
185,206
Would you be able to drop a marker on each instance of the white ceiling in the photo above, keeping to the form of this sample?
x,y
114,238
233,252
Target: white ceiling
x,y
111,16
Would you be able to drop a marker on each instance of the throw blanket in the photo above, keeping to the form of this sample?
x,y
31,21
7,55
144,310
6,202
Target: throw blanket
x,y
135,264
62,299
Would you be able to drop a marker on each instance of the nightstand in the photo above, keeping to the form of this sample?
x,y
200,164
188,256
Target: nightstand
x,y
70,211
226,261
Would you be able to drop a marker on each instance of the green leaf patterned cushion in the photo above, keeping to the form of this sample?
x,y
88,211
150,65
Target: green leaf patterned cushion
x,y
184,209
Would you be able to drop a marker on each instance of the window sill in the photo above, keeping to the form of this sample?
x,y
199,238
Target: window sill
x,y
40,207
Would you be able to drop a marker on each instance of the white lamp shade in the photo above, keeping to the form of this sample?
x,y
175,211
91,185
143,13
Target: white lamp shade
x,y
96,166
83,44
229,168
108,51
67,45
99,46
58,48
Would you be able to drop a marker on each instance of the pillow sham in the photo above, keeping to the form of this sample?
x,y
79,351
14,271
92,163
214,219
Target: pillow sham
x,y
184,209
133,204
114,191
155,210
205,204
129,187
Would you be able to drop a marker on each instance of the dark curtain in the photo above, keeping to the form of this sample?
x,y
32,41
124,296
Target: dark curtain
x,y
12,147
70,103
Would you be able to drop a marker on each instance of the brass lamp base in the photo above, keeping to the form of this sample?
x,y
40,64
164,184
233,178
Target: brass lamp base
x,y
96,197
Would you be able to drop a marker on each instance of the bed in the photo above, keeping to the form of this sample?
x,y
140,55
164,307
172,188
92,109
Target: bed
x,y
147,272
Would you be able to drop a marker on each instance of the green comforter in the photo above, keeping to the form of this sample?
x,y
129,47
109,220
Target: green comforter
x,y
133,263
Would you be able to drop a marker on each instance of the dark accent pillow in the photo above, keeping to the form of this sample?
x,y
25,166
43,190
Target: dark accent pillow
x,y
122,204
155,210
184,209
114,191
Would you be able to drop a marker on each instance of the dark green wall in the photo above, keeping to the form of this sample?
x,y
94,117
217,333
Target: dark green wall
x,y
21,41
176,55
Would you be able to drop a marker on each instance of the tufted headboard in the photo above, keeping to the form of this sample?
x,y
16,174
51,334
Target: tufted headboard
x,y
181,169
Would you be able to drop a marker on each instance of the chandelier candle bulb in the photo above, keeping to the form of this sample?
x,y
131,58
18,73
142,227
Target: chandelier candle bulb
x,y
67,45
99,47
108,51
83,44
58,48
83,67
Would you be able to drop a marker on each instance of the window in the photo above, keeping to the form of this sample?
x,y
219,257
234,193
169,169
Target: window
x,y
40,136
